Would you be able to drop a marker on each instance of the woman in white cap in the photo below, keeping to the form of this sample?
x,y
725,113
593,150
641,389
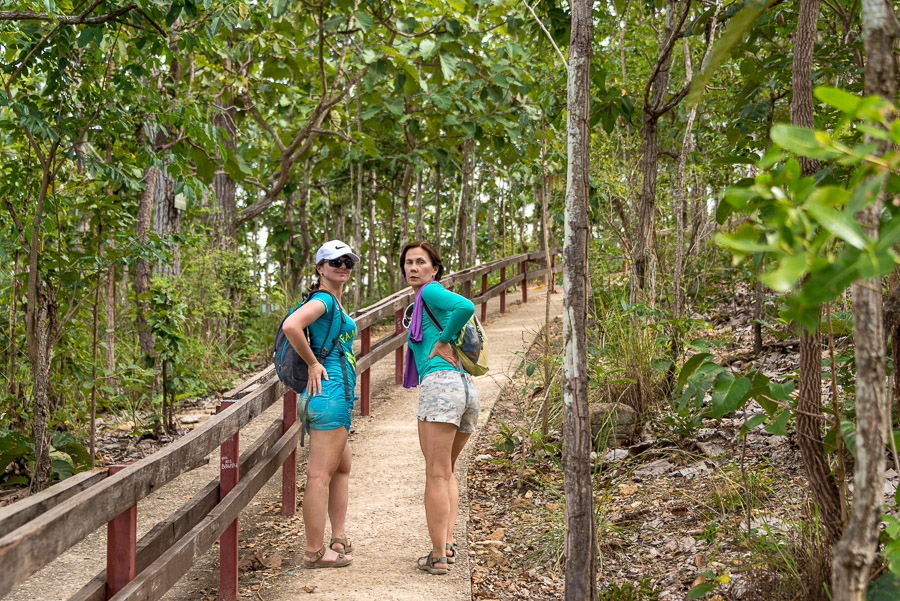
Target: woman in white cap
x,y
327,403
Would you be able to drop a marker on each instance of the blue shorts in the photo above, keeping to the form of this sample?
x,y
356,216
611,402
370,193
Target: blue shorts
x,y
329,409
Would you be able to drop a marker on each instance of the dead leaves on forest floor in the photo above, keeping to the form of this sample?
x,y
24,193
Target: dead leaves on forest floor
x,y
673,513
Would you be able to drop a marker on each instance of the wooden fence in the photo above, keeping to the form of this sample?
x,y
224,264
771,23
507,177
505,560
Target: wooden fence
x,y
36,530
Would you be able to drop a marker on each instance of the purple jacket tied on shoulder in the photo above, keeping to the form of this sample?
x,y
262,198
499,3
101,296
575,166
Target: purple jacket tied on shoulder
x,y
411,372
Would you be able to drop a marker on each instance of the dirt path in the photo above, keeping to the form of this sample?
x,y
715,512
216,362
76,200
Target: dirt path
x,y
386,518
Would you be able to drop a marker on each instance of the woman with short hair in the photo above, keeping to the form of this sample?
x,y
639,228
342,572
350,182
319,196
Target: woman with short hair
x,y
326,404
448,400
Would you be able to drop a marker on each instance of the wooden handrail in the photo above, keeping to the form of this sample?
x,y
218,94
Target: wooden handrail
x,y
34,544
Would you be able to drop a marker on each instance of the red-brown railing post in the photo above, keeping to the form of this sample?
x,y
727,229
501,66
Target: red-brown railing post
x,y
483,292
552,273
398,353
289,467
364,386
228,543
121,547
523,268
502,290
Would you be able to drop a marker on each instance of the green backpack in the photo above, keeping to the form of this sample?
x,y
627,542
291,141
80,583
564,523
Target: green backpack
x,y
470,345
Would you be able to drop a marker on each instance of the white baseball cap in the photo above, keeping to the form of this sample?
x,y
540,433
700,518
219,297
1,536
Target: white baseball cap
x,y
334,249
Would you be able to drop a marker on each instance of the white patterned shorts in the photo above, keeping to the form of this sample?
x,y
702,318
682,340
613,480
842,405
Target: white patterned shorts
x,y
442,398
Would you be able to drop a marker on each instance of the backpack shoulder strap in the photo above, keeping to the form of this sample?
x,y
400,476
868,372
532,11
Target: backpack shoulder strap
x,y
334,308
431,316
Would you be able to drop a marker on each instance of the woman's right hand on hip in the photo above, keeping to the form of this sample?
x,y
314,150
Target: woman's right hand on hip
x,y
314,383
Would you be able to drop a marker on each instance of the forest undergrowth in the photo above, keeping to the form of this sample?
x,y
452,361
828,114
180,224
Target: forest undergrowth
x,y
686,506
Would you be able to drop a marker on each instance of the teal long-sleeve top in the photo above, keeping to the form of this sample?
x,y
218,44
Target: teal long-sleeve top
x,y
451,310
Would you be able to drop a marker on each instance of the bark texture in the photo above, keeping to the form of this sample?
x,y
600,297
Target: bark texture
x,y
580,547
166,221
420,217
142,266
856,551
225,208
809,403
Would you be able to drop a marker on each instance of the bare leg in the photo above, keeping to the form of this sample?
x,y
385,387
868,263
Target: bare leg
x,y
458,443
338,495
436,439
325,452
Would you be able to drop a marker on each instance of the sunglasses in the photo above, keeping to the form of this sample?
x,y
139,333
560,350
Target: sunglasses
x,y
407,315
345,261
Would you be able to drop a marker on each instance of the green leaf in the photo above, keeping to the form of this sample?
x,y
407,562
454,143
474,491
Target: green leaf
x,y
840,224
753,422
173,13
745,239
395,105
802,141
62,468
700,590
364,19
442,100
779,426
886,587
426,48
728,394
449,64
279,7
848,434
839,99
689,367
89,34
790,269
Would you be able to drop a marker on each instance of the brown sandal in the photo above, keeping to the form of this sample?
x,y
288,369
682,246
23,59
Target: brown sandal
x,y
429,566
348,546
317,561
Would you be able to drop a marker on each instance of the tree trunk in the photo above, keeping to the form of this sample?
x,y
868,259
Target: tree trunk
x,y
13,337
475,205
357,216
372,267
809,435
646,211
809,401
580,546
437,207
357,237
463,214
388,229
41,386
142,266
523,222
94,343
110,305
856,551
405,187
503,207
225,211
420,217
166,221
678,205
303,217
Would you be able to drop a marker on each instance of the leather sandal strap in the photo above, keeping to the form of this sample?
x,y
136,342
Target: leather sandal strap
x,y
317,555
